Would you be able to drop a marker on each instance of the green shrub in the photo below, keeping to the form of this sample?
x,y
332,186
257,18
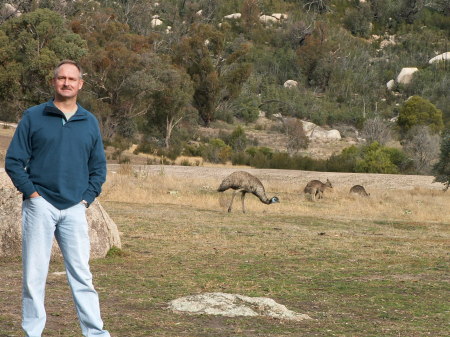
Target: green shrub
x,y
216,151
144,147
115,252
357,20
375,159
238,139
419,111
247,108
192,150
240,158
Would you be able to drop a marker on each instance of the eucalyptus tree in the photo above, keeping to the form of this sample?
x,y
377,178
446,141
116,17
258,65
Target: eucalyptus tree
x,y
32,45
170,95
442,168
217,69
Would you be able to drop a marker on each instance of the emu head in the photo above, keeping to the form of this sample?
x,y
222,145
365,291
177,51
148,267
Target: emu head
x,y
274,200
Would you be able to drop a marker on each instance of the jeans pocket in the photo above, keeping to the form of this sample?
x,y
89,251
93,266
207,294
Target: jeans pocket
x,y
35,199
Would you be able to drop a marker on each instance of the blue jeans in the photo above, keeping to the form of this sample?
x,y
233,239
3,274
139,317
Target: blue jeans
x,y
40,222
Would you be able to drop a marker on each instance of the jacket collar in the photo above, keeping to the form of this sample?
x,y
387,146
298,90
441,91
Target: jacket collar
x,y
51,109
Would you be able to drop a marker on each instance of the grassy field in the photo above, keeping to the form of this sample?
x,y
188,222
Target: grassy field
x,y
357,266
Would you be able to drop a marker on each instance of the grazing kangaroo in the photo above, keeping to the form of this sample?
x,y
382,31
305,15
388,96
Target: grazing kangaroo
x,y
360,190
244,182
316,188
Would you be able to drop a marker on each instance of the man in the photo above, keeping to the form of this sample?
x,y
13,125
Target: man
x,y
56,159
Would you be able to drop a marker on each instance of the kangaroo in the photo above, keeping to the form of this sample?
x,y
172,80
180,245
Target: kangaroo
x,y
359,190
316,188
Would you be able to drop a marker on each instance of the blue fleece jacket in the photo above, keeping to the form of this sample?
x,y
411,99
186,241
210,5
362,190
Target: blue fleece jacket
x,y
65,163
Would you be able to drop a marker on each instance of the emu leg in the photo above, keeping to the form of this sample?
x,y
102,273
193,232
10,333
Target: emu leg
x,y
242,199
231,202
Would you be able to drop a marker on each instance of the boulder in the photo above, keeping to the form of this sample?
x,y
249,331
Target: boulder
x,y
314,131
442,57
103,232
155,22
9,10
233,16
390,85
405,75
290,84
268,19
280,16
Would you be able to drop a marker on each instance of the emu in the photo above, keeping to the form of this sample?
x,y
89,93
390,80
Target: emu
x,y
316,188
244,182
359,190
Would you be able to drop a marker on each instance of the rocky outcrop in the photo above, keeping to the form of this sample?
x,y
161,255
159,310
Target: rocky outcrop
x,y
103,231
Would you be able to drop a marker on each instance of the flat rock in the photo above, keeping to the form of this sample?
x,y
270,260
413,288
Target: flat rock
x,y
234,305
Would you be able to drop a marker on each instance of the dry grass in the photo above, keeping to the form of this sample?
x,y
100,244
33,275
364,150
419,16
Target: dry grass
x,y
418,204
359,267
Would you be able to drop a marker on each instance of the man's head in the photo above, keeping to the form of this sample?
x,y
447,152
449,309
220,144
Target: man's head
x,y
67,80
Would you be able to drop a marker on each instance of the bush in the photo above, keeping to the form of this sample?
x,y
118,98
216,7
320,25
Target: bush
x,y
345,161
376,159
238,139
192,150
357,20
216,151
419,111
247,108
144,147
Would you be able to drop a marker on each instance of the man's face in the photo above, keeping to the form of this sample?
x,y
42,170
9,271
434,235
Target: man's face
x,y
68,82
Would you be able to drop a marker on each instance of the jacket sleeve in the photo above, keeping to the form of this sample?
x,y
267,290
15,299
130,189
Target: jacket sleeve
x,y
17,157
97,170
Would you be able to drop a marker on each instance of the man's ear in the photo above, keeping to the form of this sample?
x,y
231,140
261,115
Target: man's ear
x,y
80,85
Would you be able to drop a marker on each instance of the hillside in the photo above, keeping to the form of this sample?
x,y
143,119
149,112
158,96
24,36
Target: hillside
x,y
181,82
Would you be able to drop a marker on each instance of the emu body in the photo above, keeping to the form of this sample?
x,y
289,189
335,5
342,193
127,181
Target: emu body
x,y
315,188
244,182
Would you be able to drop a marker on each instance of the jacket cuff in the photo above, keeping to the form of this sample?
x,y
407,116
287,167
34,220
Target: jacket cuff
x,y
27,190
89,197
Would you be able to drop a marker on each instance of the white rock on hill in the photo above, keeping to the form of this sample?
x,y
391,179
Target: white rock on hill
x,y
314,131
103,232
234,305
442,57
390,85
290,84
233,16
406,74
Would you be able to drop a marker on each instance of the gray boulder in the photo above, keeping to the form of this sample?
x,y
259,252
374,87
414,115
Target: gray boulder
x,y
103,231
